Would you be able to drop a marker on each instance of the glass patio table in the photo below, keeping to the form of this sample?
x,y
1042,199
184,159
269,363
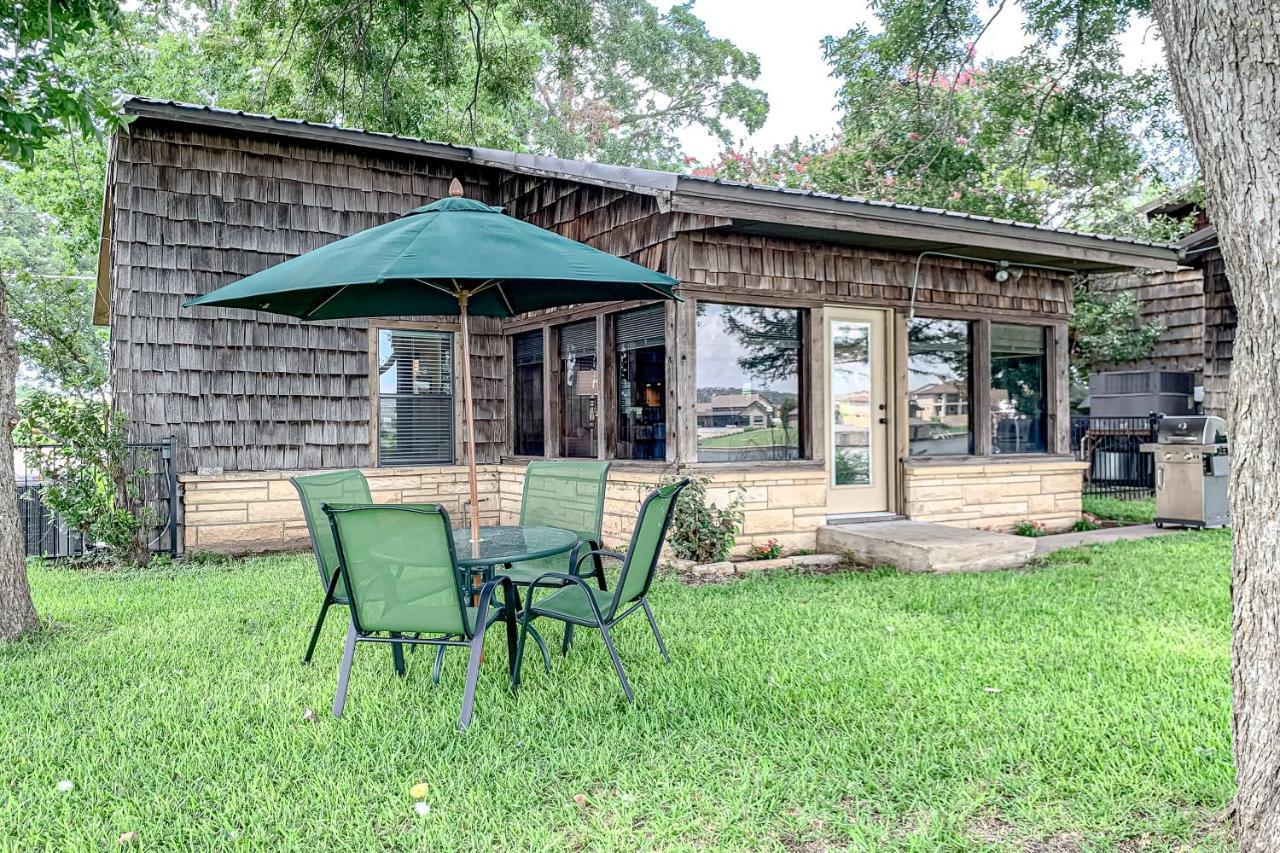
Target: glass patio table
x,y
503,546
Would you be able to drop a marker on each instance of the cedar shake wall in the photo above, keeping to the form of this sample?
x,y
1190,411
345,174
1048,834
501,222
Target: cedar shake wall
x,y
192,211
738,264
1175,300
1219,335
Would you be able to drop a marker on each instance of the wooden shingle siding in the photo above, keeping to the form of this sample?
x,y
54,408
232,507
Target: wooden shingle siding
x,y
1176,300
192,211
1219,335
738,265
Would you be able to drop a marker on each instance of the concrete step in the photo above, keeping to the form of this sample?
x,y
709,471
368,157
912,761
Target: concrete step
x,y
921,546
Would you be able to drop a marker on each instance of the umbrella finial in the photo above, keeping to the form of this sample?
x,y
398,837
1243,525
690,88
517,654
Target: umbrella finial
x,y
455,188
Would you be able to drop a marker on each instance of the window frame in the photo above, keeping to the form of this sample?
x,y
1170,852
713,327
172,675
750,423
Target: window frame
x,y
1049,401
375,327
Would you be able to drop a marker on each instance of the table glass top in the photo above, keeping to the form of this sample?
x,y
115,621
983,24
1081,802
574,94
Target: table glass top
x,y
510,544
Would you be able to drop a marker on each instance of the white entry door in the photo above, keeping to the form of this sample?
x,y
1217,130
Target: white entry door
x,y
858,411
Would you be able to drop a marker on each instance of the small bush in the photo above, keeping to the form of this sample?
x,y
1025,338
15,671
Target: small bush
x,y
700,530
1029,528
1084,525
770,550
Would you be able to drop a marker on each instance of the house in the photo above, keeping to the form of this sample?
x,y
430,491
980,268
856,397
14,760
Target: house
x,y
794,295
735,410
1193,303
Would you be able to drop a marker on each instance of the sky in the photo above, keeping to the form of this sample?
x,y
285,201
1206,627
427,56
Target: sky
x,y
802,97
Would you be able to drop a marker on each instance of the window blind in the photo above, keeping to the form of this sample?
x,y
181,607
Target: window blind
x,y
578,339
415,397
641,328
528,348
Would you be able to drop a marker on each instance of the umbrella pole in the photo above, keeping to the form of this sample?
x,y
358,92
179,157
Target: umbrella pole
x,y
463,298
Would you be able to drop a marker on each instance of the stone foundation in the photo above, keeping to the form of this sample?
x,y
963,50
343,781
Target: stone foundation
x,y
259,511
996,495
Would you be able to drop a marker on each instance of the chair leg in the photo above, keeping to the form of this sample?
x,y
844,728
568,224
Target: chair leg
x,y
315,632
617,663
510,618
568,638
473,676
344,671
657,635
524,635
542,647
599,566
397,656
435,669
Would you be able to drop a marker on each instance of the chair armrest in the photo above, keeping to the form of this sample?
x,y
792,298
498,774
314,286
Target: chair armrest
x,y
577,559
533,585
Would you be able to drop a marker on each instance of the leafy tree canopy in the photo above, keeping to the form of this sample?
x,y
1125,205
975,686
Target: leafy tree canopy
x,y
1060,132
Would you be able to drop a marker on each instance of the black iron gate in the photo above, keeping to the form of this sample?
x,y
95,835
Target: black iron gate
x,y
155,476
1111,445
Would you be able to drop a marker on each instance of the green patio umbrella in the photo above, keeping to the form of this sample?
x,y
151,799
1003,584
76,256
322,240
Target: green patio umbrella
x,y
455,256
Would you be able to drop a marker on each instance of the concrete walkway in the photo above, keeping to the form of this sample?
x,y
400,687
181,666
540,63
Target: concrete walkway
x,y
1058,541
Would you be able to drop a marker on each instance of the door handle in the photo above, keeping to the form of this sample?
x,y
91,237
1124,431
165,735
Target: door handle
x,y
884,420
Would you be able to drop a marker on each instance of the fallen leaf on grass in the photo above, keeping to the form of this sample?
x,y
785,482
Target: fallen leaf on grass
x,y
308,716
419,791
128,837
580,800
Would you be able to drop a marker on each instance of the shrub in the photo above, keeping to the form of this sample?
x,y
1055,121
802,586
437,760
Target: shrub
x,y
700,530
770,550
1029,528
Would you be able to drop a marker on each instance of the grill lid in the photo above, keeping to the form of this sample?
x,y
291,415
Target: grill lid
x,y
1192,429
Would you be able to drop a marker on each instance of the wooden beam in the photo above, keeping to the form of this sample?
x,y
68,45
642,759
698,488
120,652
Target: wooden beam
x,y
813,384
671,379
980,386
685,416
552,393
1059,396
606,389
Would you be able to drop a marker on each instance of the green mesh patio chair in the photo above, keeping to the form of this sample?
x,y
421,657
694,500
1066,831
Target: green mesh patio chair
x,y
577,603
402,584
315,490
568,495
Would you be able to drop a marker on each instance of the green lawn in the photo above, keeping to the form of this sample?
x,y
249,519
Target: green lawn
x,y
1084,704
1132,512
762,437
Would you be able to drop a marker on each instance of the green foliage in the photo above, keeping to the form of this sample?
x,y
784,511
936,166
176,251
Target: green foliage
x,y
1059,133
1028,527
1084,525
78,449
770,550
1107,329
791,717
701,530
40,98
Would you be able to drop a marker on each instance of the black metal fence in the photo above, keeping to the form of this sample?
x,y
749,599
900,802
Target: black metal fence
x,y
155,477
1111,445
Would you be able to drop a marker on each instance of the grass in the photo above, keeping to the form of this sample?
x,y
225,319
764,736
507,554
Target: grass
x,y
1082,704
763,437
1132,512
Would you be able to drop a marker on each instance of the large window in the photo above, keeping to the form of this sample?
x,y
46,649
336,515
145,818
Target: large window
x,y
580,385
415,397
938,370
528,351
748,396
1018,381
642,386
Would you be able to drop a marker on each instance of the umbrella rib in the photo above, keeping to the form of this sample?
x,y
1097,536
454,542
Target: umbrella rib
x,y
324,302
505,300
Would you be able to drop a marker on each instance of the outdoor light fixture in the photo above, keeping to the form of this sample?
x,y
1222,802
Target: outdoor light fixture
x,y
1002,272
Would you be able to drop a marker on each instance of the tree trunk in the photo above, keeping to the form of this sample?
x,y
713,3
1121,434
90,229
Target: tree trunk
x,y
17,613
1224,58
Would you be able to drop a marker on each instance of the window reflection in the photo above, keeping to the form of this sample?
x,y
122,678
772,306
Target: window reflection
x,y
938,419
1018,366
851,402
748,397
580,389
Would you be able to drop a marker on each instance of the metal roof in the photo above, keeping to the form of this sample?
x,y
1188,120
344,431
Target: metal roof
x,y
766,209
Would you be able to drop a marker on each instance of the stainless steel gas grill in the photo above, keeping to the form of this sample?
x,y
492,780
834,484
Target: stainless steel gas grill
x,y
1191,471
